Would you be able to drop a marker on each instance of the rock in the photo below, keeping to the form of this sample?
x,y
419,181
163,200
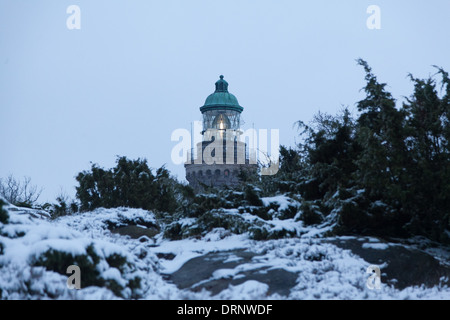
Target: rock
x,y
196,274
406,266
165,256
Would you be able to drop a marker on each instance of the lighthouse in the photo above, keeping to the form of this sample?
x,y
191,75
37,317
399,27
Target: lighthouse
x,y
221,156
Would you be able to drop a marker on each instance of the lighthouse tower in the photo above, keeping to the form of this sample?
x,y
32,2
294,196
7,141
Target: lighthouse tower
x,y
221,156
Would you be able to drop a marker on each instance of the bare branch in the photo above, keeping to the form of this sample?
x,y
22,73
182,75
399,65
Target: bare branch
x,y
19,192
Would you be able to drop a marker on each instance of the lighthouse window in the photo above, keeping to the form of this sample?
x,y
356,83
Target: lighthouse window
x,y
221,122
226,173
217,173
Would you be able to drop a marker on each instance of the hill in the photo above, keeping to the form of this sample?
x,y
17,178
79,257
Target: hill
x,y
140,263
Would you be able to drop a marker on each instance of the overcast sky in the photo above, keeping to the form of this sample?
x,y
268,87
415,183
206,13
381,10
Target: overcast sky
x,y
138,70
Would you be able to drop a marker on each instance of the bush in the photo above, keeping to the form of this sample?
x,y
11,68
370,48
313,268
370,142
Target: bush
x,y
289,213
20,193
385,172
311,213
4,217
58,261
64,207
352,218
173,232
130,184
261,212
219,219
262,233
252,196
206,222
3,213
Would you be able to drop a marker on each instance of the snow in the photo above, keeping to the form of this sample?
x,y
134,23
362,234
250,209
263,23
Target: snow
x,y
74,248
188,249
282,201
282,224
232,258
186,221
114,274
99,219
249,290
224,273
376,246
324,271
71,235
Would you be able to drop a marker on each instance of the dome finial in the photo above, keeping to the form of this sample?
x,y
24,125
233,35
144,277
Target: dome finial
x,y
221,85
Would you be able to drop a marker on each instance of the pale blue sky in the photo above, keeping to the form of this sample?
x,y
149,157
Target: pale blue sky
x,y
137,70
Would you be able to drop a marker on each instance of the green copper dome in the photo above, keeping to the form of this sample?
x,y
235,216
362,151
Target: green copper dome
x,y
221,99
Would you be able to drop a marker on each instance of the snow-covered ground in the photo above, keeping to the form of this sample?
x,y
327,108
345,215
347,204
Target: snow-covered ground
x,y
324,270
